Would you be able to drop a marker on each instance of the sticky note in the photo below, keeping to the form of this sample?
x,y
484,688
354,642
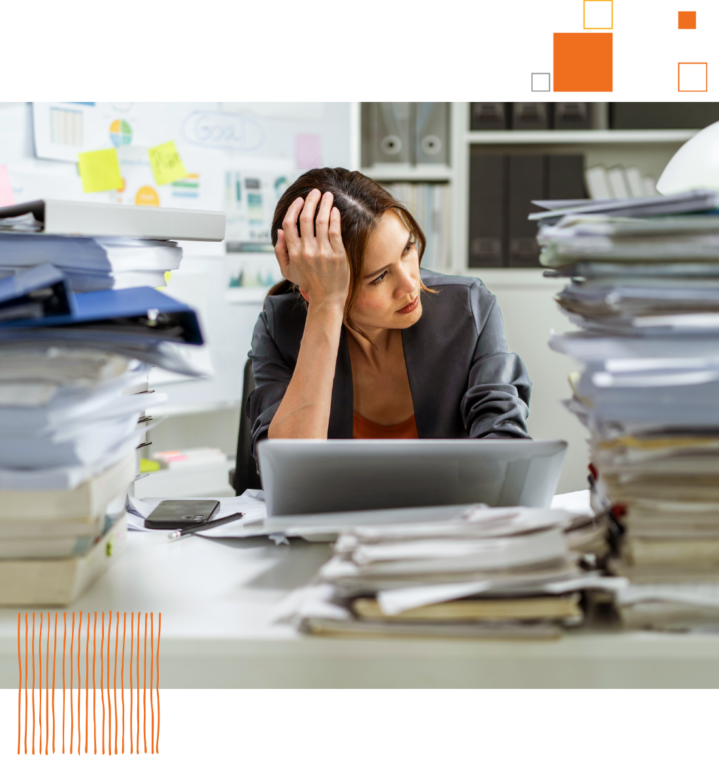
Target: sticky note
x,y
6,195
166,163
308,150
100,170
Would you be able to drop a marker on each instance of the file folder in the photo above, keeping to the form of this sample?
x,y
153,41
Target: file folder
x,y
127,311
393,132
487,207
39,292
432,132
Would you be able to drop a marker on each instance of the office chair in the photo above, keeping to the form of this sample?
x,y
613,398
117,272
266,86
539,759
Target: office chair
x,y
245,473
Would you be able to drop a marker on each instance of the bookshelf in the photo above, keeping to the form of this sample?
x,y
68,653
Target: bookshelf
x,y
648,149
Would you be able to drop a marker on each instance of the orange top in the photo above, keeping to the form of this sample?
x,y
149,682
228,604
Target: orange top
x,y
364,429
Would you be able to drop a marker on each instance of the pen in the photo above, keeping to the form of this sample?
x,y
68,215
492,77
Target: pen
x,y
204,526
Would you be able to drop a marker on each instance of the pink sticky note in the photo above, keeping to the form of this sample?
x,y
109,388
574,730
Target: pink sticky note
x,y
308,150
6,195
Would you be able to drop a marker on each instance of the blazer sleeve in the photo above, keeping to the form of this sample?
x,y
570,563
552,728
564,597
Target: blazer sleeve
x,y
272,374
496,404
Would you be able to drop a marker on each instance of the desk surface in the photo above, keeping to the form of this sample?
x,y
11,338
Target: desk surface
x,y
218,601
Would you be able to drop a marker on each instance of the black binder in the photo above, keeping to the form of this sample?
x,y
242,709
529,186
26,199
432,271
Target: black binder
x,y
565,177
572,115
489,116
668,115
530,116
527,182
487,210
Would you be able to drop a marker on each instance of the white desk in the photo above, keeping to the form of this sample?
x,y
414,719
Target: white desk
x,y
217,601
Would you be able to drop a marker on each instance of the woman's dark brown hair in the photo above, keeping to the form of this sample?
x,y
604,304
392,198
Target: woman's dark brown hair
x,y
361,203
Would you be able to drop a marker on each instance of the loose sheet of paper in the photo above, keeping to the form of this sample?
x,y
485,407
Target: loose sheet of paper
x,y
6,193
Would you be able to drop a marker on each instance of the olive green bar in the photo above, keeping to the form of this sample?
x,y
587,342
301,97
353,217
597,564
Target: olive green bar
x,y
267,82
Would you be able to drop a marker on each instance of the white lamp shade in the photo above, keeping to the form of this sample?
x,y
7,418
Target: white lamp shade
x,y
695,165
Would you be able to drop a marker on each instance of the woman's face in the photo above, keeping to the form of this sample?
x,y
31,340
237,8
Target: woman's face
x,y
389,296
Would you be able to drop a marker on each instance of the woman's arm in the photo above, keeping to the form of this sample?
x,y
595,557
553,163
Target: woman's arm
x,y
496,403
315,260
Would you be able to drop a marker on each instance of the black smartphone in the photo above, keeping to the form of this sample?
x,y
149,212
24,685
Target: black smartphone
x,y
176,514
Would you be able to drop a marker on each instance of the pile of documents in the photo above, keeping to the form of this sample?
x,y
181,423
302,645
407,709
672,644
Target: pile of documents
x,y
74,397
496,573
645,294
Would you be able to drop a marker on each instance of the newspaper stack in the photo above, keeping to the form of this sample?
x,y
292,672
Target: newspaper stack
x,y
496,573
645,293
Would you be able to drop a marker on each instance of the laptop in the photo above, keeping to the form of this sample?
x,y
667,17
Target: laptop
x,y
302,477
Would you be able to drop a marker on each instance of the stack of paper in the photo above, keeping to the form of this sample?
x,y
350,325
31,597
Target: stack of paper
x,y
645,294
501,572
92,263
74,396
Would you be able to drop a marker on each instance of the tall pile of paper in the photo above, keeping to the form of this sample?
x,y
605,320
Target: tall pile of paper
x,y
73,404
496,573
645,293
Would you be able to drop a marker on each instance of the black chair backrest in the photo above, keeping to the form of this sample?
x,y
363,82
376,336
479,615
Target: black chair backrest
x,y
246,475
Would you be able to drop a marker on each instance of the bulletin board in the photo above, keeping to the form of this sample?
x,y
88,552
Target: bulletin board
x,y
240,157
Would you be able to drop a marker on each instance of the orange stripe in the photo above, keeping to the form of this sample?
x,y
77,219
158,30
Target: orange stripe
x,y
94,634
54,657
132,638
72,642
157,681
39,648
114,679
33,682
152,649
19,652
79,683
102,647
109,638
122,678
26,634
144,659
87,659
47,651
64,637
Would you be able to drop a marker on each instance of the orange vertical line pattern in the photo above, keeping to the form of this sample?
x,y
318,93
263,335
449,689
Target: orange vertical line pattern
x,y
26,634
64,637
114,676
157,681
109,637
72,643
47,651
54,657
39,648
137,670
152,649
122,678
132,638
19,653
33,682
79,683
144,688
87,677
94,633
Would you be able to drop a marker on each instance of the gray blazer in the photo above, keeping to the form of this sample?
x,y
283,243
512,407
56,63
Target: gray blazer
x,y
464,382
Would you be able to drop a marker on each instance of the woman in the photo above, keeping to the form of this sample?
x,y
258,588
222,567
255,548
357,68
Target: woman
x,y
359,342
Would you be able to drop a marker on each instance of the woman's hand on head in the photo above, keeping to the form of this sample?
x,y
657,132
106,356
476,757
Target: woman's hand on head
x,y
314,257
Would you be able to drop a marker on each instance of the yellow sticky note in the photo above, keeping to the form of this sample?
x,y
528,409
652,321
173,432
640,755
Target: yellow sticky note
x,y
100,170
147,465
166,163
